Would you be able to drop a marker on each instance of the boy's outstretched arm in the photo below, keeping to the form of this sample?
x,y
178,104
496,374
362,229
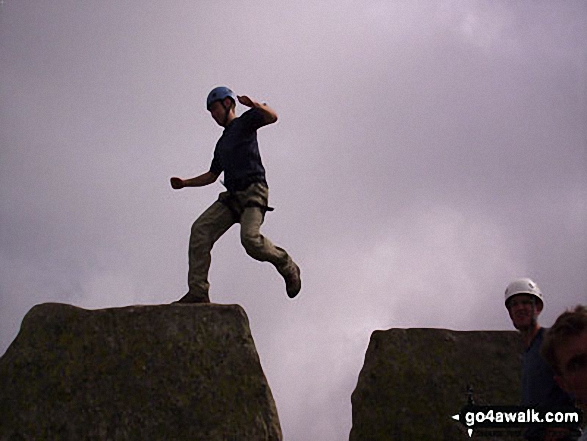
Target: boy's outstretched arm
x,y
268,113
199,181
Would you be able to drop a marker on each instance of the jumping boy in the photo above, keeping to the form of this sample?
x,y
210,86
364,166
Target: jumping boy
x,y
245,201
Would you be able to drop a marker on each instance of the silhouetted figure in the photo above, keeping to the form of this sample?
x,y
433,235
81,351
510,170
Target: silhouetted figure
x,y
245,201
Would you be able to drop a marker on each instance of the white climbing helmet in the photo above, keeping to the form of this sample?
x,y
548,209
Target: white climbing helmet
x,y
523,286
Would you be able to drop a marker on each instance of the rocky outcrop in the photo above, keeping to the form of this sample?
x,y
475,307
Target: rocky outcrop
x,y
172,372
414,380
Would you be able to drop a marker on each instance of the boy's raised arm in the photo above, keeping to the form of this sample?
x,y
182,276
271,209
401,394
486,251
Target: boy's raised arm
x,y
268,113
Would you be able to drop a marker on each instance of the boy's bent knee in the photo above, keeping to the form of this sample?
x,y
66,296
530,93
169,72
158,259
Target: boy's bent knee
x,y
253,245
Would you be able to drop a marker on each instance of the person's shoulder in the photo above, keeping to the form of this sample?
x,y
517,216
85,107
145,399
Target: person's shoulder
x,y
252,119
540,335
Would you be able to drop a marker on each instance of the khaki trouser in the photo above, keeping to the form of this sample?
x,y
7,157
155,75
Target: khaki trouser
x,y
245,207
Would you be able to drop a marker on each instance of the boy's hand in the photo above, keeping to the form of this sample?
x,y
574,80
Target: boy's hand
x,y
177,183
246,101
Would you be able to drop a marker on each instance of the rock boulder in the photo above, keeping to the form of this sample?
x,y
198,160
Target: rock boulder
x,y
170,372
414,380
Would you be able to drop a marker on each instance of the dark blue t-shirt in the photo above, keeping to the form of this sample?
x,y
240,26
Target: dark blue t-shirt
x,y
237,151
538,386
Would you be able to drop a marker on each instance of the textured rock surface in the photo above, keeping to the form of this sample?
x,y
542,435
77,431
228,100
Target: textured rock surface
x,y
414,380
172,372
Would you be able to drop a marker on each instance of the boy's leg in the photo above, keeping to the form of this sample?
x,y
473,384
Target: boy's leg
x,y
206,230
258,246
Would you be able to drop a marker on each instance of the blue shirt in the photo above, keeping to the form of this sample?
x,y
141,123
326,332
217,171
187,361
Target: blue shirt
x,y
538,386
237,151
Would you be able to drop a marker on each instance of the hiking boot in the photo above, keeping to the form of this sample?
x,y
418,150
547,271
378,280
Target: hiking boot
x,y
293,282
192,298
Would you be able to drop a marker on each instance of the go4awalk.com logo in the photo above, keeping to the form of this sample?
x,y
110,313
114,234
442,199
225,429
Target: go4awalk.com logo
x,y
511,417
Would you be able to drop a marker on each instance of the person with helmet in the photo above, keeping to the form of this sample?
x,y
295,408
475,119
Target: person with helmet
x,y
524,302
245,200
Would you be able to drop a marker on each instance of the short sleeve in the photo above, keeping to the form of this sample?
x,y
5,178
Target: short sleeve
x,y
215,167
253,119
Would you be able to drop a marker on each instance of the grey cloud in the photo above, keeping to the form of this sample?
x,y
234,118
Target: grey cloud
x,y
425,155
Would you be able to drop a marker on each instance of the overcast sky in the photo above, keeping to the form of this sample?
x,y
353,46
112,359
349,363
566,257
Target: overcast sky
x,y
427,153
